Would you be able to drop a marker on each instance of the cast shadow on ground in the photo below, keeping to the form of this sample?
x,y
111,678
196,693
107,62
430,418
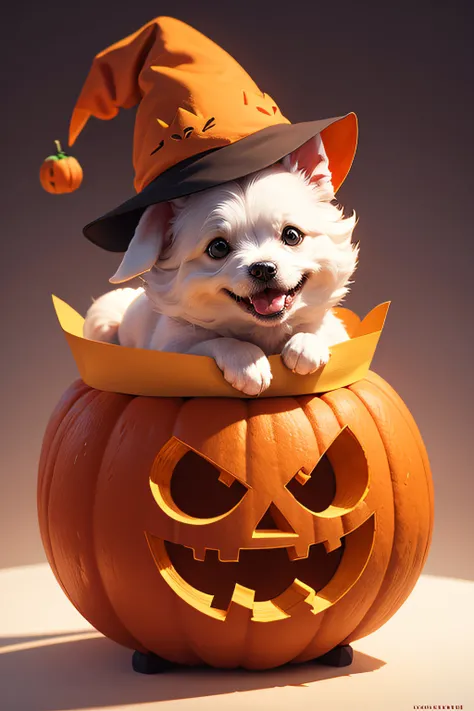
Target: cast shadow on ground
x,y
92,672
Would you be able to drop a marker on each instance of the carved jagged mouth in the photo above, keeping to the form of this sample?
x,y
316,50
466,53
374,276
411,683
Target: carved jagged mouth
x,y
268,304
266,582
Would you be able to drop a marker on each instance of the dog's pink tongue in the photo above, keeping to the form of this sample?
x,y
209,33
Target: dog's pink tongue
x,y
270,301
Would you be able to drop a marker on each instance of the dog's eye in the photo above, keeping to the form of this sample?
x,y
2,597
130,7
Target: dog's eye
x,y
218,248
292,236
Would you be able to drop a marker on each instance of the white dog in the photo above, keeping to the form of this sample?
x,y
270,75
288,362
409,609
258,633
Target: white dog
x,y
238,272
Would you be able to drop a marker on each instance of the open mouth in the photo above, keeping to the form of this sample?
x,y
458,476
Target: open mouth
x,y
268,304
267,582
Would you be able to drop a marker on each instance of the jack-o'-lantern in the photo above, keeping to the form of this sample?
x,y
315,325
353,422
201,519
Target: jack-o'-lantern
x,y
235,532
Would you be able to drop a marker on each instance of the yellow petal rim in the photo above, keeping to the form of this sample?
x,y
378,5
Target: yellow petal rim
x,y
137,371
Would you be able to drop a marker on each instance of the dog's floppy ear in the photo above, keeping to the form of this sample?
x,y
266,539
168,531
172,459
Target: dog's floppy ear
x,y
312,159
147,243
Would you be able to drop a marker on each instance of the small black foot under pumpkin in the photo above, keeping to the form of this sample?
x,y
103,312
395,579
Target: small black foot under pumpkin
x,y
150,663
341,656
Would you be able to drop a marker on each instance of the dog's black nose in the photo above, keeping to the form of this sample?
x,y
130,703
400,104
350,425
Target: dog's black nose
x,y
263,271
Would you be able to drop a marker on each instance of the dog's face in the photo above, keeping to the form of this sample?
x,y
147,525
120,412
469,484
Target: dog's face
x,y
267,250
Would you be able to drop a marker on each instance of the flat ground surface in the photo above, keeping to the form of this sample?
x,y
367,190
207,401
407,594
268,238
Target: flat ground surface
x,y
52,660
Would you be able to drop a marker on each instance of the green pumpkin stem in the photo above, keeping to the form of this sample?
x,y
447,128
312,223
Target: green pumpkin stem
x,y
60,152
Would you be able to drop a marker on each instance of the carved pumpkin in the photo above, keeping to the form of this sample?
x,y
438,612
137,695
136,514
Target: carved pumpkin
x,y
235,532
60,173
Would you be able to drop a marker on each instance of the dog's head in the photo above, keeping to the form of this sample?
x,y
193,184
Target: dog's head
x,y
268,249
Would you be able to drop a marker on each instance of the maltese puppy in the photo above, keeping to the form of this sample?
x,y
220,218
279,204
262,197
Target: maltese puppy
x,y
238,272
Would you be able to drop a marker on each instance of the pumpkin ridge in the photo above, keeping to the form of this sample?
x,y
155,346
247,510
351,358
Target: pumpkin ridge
x,y
179,618
325,617
303,403
407,588
91,562
405,413
69,177
53,449
312,420
247,634
254,642
246,404
416,436
124,631
44,482
335,395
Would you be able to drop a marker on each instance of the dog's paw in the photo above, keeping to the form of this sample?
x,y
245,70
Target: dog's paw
x,y
304,353
97,330
245,367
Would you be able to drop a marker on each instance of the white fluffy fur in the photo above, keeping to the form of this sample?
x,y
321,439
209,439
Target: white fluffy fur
x,y
183,306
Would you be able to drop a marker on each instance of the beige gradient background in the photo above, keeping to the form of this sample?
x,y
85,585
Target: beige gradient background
x,y
406,69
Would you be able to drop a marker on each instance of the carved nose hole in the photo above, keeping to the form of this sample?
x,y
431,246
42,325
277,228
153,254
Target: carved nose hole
x,y
273,521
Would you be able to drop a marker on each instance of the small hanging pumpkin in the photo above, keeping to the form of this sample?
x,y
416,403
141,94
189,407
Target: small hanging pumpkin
x,y
60,173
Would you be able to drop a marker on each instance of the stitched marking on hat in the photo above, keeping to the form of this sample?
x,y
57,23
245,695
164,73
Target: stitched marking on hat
x,y
187,132
263,111
209,124
246,101
160,145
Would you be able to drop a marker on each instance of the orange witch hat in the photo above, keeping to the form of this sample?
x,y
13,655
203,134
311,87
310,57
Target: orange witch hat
x,y
201,121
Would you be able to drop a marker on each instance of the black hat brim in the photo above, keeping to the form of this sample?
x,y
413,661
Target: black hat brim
x,y
114,230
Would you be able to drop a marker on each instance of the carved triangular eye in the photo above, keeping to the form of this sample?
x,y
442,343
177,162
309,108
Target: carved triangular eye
x,y
340,478
319,489
200,490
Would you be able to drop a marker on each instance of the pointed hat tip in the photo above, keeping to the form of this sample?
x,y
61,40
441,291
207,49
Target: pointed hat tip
x,y
79,119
